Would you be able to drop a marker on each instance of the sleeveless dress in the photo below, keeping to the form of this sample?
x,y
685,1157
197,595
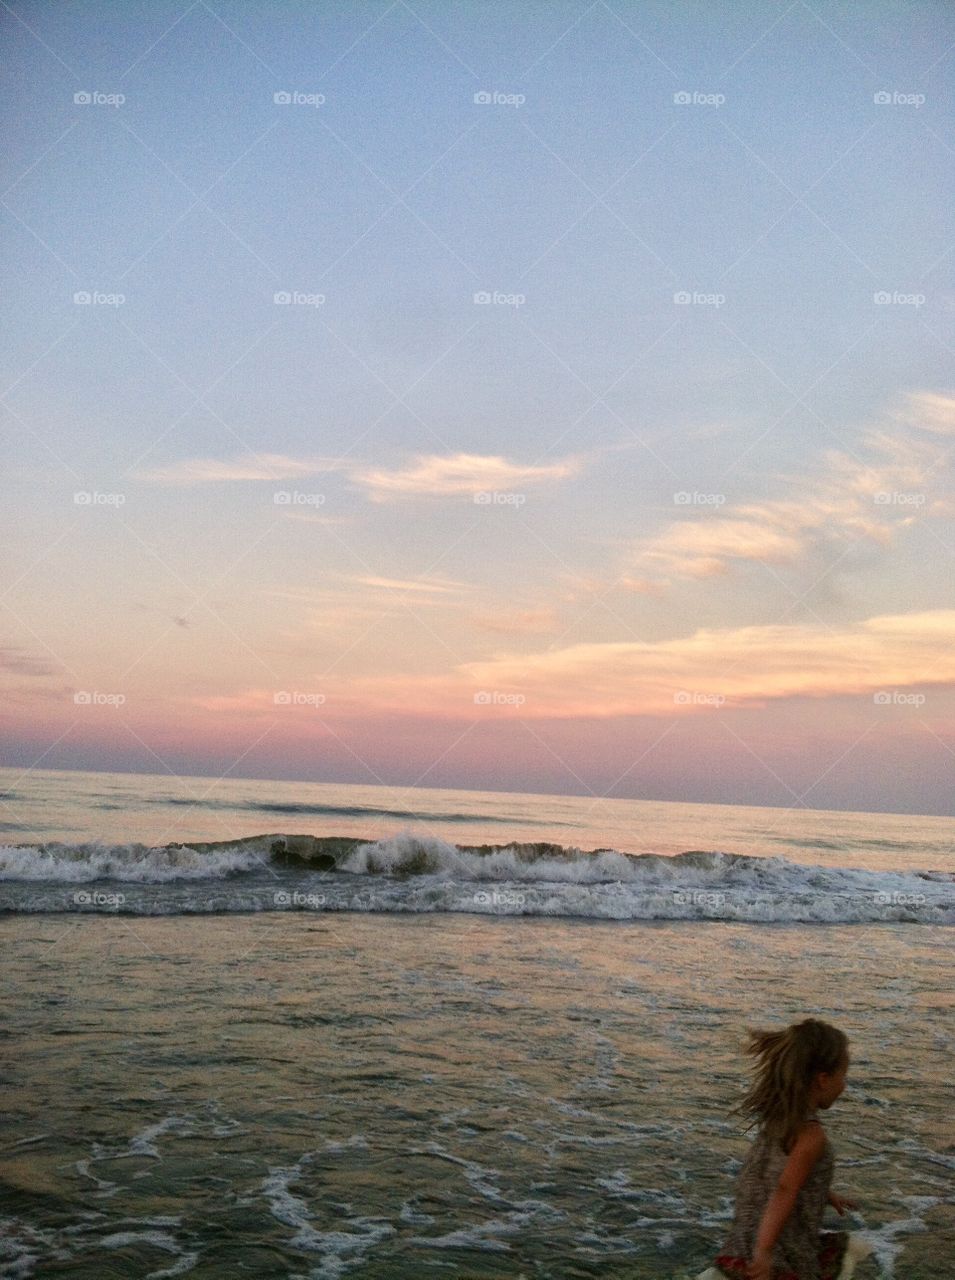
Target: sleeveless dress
x,y
802,1251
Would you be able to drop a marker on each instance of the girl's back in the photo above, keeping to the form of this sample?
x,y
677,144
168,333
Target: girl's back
x,y
802,1251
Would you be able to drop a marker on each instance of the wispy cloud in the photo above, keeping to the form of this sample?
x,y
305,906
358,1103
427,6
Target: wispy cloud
x,y
417,584
847,497
436,475
726,667
251,466
932,412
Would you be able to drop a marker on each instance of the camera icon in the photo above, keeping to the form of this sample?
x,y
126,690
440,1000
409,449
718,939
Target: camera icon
x,y
282,698
482,297
282,299
682,298
681,698
82,99
681,98
282,98
482,698
682,499
882,699
482,97
282,497
282,898
881,98
82,299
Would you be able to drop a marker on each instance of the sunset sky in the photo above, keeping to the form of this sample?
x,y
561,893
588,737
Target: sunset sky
x,y
541,396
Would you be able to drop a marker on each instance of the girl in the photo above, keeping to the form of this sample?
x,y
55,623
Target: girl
x,y
784,1183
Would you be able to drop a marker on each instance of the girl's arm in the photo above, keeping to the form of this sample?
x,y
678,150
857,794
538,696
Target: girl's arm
x,y
807,1149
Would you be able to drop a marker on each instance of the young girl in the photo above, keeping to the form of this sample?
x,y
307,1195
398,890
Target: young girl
x,y
784,1184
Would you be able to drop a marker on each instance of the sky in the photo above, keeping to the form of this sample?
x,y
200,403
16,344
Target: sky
x,y
525,396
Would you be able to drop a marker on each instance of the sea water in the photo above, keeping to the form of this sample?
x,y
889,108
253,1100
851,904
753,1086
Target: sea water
x,y
310,1030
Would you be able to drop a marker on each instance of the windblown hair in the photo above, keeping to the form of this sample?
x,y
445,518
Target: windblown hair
x,y
786,1064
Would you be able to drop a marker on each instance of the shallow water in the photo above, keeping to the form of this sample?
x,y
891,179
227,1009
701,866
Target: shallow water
x,y
302,1095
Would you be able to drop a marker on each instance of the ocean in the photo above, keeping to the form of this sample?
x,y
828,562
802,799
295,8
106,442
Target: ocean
x,y
317,1031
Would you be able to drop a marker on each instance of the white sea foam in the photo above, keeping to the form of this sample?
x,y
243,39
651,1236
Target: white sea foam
x,y
81,863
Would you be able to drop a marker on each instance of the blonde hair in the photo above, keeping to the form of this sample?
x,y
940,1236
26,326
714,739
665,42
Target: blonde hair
x,y
786,1065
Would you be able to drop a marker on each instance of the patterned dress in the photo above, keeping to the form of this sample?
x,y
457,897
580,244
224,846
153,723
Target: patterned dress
x,y
802,1251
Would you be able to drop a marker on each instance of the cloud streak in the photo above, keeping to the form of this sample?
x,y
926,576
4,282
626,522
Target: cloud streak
x,y
726,667
848,499
433,475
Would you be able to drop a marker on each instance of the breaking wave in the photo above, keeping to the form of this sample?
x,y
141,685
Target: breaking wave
x,y
413,872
